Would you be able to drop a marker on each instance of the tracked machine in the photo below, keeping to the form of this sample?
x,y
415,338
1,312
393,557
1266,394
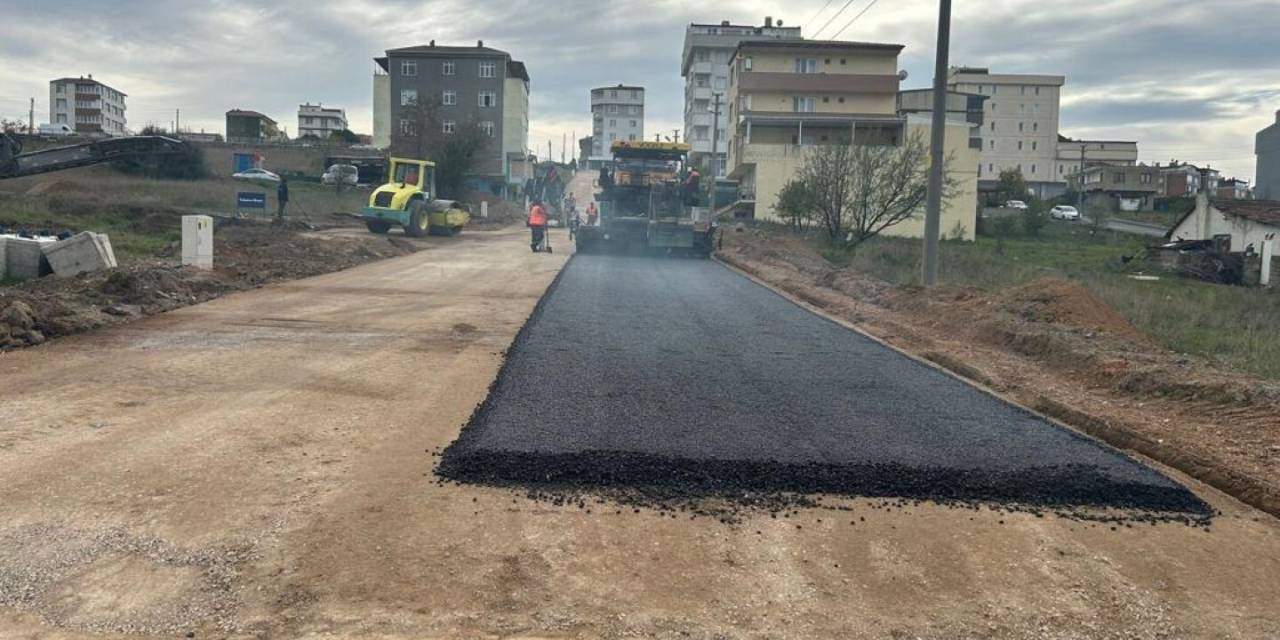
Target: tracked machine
x,y
15,164
645,206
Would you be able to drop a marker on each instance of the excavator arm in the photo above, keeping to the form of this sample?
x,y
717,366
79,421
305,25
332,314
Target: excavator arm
x,y
15,164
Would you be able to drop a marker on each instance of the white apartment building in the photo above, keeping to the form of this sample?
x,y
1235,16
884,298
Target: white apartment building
x,y
704,65
617,113
319,121
87,105
1020,129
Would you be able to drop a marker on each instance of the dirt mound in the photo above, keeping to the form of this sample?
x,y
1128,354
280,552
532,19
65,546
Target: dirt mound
x,y
55,186
1059,301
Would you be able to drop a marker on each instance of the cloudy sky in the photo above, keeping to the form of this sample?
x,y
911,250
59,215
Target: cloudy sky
x,y
1188,79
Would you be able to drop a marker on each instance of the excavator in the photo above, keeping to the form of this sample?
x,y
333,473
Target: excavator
x,y
16,164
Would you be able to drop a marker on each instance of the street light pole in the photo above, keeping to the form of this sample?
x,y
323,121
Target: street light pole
x,y
933,208
715,146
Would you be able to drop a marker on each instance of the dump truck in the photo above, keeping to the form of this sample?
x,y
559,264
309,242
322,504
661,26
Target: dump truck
x,y
408,201
644,207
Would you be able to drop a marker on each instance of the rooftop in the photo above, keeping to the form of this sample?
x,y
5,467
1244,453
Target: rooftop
x,y
432,48
249,114
819,44
1264,211
88,78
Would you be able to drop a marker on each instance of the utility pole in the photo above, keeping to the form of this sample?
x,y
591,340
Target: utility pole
x,y
933,208
550,158
177,121
562,134
31,118
715,146
675,135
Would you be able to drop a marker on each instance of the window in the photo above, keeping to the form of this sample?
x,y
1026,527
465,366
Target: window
x,y
995,90
703,55
991,168
720,134
840,99
613,108
993,125
803,104
1035,126
631,136
1019,126
487,69
613,123
408,97
635,93
1061,169
746,63
487,99
1035,108
62,103
806,65
826,99
633,110
993,145
1119,178
613,94
1022,90
702,80
408,67
487,128
719,82
1019,145
448,68
842,60
1146,178
633,124
449,126
61,87
62,118
1033,169
1033,145
1037,90
449,98
407,128
612,137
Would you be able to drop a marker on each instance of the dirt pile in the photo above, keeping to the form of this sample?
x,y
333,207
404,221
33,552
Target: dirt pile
x,y
246,257
1059,301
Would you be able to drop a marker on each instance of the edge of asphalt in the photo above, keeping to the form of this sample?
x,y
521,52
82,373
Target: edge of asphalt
x,y
1239,486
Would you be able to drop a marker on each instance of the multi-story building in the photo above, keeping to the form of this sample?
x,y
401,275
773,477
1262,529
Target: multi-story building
x,y
88,106
1267,148
704,65
786,96
318,121
1233,189
960,106
1021,125
1182,179
1120,187
465,85
617,113
251,126
1076,155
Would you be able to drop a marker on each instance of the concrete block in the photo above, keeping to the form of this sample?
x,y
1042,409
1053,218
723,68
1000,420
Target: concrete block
x,y
81,253
104,244
197,241
24,258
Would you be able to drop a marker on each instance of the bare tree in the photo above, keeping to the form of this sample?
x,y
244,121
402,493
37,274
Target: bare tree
x,y
861,190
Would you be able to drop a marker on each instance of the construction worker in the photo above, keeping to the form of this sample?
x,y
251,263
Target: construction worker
x,y
692,182
282,198
593,214
537,225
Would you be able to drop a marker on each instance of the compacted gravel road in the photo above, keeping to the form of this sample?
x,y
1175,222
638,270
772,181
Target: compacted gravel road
x,y
261,466
681,372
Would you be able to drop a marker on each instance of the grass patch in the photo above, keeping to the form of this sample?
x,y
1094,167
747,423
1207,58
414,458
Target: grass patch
x,y
1236,326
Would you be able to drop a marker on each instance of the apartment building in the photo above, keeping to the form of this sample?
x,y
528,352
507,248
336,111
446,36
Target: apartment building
x,y
1267,148
1183,179
617,113
1075,156
787,95
250,126
1021,117
515,127
315,120
1120,187
704,65
88,106
960,106
466,84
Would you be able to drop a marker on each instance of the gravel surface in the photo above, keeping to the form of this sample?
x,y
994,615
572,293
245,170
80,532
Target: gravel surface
x,y
685,376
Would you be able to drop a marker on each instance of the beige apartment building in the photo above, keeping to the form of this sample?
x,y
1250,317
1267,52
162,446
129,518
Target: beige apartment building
x,y
88,106
787,95
1021,116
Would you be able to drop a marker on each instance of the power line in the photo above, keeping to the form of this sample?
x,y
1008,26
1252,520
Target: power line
x,y
855,19
815,16
832,19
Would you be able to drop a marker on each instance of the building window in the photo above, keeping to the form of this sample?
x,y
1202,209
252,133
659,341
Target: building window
x,y
61,87
1146,178
487,128
704,55
1019,145
991,168
746,63
449,98
1061,169
488,99
62,103
1033,169
407,128
631,136
719,82
1037,90
449,126
487,69
613,123
1033,145
804,104
1022,90
61,119
633,110
840,99
1035,108
408,97
993,145
633,123
1019,126
1035,126
1119,178
635,93
448,68
613,94
408,67
613,108
806,65
993,125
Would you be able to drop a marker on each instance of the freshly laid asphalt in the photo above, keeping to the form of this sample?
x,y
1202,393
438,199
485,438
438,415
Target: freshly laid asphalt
x,y
681,374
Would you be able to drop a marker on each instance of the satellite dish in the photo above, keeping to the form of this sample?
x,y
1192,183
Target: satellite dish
x,y
902,75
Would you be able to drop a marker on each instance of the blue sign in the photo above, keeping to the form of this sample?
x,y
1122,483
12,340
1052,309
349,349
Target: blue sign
x,y
251,200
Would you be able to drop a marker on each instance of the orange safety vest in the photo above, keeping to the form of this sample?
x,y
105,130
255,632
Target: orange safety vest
x,y
537,216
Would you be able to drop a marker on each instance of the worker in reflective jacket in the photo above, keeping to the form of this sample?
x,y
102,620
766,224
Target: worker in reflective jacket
x,y
537,225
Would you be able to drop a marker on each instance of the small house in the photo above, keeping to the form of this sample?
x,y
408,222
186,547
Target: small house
x,y
1249,223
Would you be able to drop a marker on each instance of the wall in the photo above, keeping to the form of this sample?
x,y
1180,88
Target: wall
x,y
515,125
381,111
828,61
1206,222
289,159
1267,146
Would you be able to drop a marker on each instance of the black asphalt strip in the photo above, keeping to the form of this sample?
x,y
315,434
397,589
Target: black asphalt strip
x,y
676,381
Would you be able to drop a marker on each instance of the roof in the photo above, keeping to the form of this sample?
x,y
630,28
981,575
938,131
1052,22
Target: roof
x,y
1264,211
516,69
433,49
619,86
249,114
90,79
817,44
1062,138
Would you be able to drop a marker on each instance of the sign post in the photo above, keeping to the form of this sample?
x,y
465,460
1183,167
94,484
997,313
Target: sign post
x,y
250,200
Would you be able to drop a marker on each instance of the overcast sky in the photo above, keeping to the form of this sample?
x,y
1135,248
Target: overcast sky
x,y
1188,79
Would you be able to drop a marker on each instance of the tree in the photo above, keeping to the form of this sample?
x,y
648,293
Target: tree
x,y
12,126
861,190
1097,215
456,152
796,203
345,136
1012,186
1035,218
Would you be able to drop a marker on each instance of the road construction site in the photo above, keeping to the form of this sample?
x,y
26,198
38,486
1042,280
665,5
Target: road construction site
x,y
264,464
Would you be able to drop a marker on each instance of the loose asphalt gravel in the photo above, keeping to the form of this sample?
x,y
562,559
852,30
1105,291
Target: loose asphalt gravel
x,y
682,379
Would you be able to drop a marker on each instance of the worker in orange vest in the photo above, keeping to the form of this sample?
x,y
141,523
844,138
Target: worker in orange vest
x,y
537,225
592,214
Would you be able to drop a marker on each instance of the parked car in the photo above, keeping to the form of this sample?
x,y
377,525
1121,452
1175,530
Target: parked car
x,y
341,174
1016,204
1064,212
261,177
56,130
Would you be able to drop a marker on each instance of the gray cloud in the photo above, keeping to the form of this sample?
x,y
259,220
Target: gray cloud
x,y
1182,75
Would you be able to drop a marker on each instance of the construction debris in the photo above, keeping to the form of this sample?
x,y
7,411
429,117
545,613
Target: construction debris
x,y
82,253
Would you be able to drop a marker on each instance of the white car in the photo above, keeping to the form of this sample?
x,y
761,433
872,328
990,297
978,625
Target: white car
x,y
343,174
1064,212
1016,204
56,130
258,176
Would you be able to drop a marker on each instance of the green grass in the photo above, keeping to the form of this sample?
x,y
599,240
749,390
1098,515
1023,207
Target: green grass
x,y
1236,326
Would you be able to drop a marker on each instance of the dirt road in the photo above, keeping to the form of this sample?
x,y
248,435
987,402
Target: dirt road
x,y
259,466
